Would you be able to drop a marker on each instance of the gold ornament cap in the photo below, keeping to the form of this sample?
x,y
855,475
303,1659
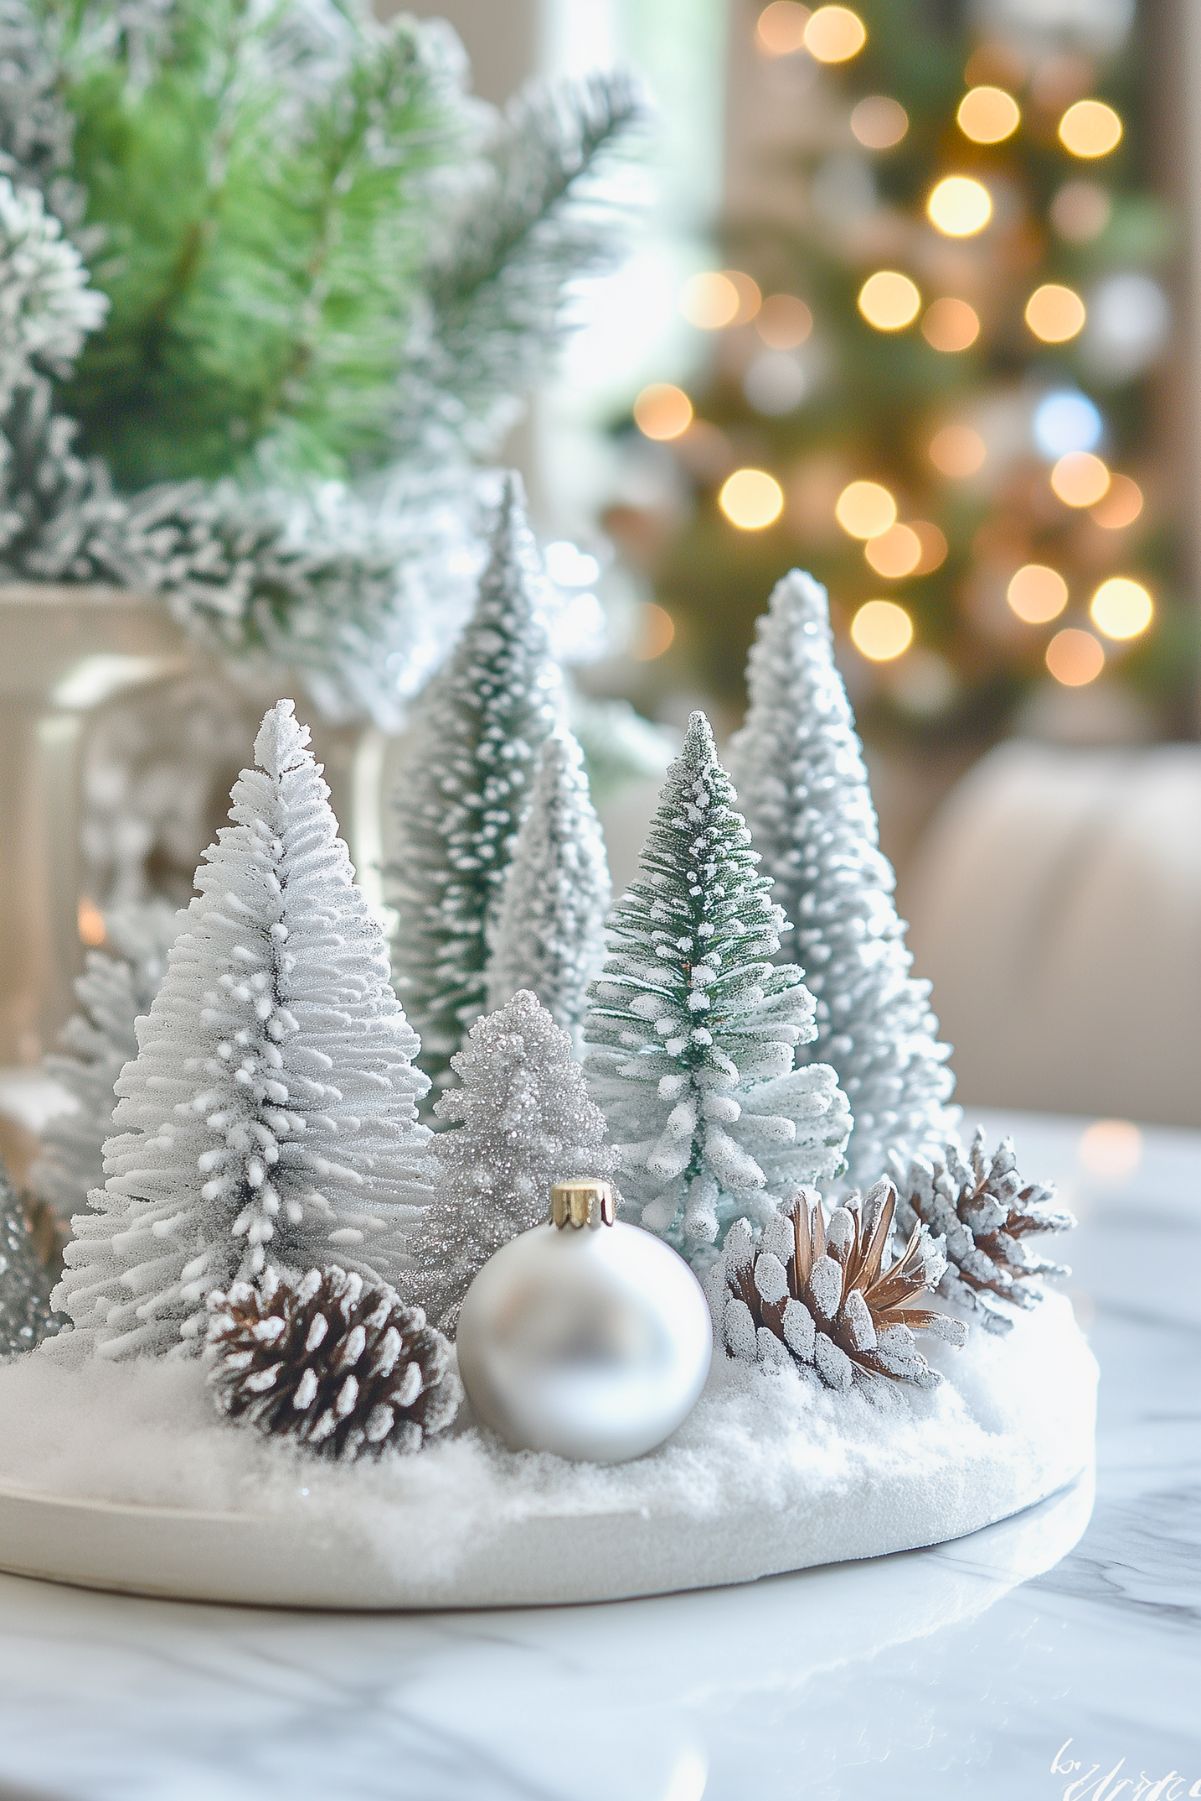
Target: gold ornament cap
x,y
584,1201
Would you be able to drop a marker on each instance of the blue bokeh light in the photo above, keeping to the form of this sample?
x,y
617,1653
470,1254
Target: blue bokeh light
x,y
1066,420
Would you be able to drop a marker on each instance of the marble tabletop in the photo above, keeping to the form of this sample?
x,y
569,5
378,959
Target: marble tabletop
x,y
1056,1655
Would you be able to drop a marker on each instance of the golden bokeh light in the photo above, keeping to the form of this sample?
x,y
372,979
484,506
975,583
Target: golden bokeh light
x,y
750,296
958,451
881,631
1121,608
780,28
889,300
1055,313
1120,505
1075,657
959,206
988,115
865,509
934,545
835,34
710,301
1080,479
879,122
949,324
751,499
662,411
1112,1148
656,632
783,321
895,553
1037,593
1089,128
1080,211
90,920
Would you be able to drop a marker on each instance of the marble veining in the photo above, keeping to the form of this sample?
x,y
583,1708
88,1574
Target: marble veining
x,y
1067,1636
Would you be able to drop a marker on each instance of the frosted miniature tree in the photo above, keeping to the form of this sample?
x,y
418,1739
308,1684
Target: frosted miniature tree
x,y
271,1112
519,1121
476,737
798,764
550,928
117,986
693,1027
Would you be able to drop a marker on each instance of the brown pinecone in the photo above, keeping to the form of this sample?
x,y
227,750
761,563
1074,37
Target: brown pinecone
x,y
342,1366
985,1211
823,1297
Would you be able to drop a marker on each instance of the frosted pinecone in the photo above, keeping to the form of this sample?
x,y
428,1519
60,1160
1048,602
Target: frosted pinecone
x,y
340,1365
825,1297
985,1210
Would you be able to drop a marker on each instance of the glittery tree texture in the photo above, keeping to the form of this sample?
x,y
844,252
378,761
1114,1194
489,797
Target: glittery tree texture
x,y
117,987
473,748
549,933
826,1297
798,765
341,1367
272,1106
985,1211
693,1028
519,1121
26,1313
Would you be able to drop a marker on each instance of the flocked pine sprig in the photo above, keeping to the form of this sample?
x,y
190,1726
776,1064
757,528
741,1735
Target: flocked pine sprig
x,y
340,1367
271,1112
37,129
693,1027
828,1297
986,1212
47,307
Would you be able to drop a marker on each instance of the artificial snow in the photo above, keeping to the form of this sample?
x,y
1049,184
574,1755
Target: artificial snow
x,y
768,1474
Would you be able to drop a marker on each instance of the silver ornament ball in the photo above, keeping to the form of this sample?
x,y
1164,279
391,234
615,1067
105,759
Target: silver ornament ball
x,y
585,1337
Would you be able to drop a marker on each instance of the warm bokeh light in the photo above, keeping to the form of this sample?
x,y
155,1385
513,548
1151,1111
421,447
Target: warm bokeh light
x,y
933,543
710,300
835,34
1055,313
879,122
780,29
783,321
1037,593
750,297
889,300
662,411
751,499
1080,211
865,509
895,553
950,324
988,115
1080,478
1121,608
92,929
958,451
656,631
1090,128
959,206
1075,658
881,630
1112,1148
1120,505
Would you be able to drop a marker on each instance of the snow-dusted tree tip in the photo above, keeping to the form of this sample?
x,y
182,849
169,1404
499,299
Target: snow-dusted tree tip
x,y
803,785
472,751
549,933
693,1029
272,1106
519,1121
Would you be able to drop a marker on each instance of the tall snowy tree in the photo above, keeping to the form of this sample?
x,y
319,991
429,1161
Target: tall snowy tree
x,y
550,928
693,1028
476,736
117,986
519,1121
803,785
271,1112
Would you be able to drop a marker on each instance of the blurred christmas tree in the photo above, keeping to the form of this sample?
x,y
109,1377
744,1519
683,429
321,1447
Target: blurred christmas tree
x,y
930,370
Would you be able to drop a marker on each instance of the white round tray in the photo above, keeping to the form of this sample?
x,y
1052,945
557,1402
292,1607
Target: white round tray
x,y
120,1476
